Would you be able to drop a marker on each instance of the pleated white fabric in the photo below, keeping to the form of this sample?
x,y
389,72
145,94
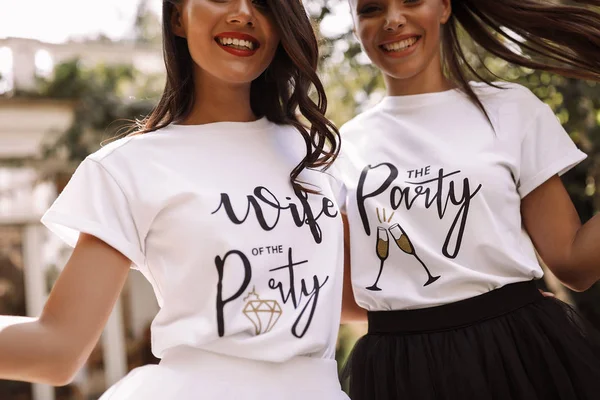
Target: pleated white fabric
x,y
186,374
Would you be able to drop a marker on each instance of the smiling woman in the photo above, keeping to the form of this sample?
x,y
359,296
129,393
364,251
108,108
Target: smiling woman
x,y
220,200
284,50
469,173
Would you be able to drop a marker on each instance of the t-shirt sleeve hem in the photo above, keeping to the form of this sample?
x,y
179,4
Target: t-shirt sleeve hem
x,y
68,229
560,167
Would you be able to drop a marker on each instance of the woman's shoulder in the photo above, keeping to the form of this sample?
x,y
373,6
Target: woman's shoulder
x,y
129,157
360,122
502,93
130,147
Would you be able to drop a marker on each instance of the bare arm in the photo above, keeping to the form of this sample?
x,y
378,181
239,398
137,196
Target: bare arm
x,y
571,251
351,312
51,349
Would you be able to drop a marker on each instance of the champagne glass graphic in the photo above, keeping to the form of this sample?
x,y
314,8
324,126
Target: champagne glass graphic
x,y
382,249
404,243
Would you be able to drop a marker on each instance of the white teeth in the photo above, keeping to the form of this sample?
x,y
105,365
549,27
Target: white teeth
x,y
237,43
401,45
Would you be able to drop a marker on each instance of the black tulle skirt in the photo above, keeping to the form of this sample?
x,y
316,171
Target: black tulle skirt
x,y
509,344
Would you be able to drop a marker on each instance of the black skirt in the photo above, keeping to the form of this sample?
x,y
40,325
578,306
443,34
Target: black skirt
x,y
509,344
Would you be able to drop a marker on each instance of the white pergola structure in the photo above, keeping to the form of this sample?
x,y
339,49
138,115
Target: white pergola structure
x,y
29,56
25,124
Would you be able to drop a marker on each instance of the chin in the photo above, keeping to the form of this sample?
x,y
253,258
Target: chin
x,y
401,74
403,71
235,76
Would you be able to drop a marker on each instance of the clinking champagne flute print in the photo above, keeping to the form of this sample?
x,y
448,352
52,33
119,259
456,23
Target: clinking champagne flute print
x,y
382,249
404,243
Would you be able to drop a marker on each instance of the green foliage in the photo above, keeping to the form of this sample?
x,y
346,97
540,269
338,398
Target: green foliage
x,y
147,26
104,105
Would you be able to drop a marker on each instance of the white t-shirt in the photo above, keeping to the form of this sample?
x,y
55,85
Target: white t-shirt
x,y
239,263
434,193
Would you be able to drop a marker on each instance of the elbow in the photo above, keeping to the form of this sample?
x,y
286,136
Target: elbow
x,y
67,373
58,374
579,285
578,281
353,314
62,369
353,319
51,355
59,378
62,375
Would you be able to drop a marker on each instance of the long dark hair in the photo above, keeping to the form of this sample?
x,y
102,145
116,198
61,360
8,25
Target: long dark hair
x,y
277,94
558,38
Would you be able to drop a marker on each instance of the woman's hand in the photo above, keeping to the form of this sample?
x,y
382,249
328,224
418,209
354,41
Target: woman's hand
x,y
547,294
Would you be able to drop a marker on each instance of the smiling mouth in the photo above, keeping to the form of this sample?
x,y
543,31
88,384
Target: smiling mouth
x,y
400,45
238,44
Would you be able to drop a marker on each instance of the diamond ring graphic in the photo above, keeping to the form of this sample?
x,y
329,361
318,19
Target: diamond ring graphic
x,y
263,314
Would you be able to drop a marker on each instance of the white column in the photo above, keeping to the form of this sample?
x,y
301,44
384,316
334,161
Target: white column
x,y
35,287
23,64
114,348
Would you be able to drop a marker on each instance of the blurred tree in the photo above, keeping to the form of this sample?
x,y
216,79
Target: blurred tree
x,y
106,101
12,296
147,26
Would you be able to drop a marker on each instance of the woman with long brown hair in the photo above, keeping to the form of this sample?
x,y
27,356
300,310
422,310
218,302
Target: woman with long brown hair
x,y
452,187
220,200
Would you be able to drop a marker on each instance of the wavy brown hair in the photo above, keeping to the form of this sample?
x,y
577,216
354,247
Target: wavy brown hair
x,y
559,38
277,94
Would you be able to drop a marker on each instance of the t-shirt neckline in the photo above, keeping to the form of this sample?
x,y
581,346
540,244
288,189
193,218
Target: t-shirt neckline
x,y
419,100
258,125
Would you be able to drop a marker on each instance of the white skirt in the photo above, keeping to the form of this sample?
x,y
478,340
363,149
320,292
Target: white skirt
x,y
187,373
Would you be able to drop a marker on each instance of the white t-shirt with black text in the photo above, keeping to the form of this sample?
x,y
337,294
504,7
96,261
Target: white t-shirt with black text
x,y
434,193
240,263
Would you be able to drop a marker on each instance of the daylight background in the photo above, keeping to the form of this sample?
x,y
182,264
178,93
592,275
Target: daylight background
x,y
71,71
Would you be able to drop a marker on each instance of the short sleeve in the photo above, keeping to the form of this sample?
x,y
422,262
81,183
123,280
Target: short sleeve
x,y
546,150
337,185
95,204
